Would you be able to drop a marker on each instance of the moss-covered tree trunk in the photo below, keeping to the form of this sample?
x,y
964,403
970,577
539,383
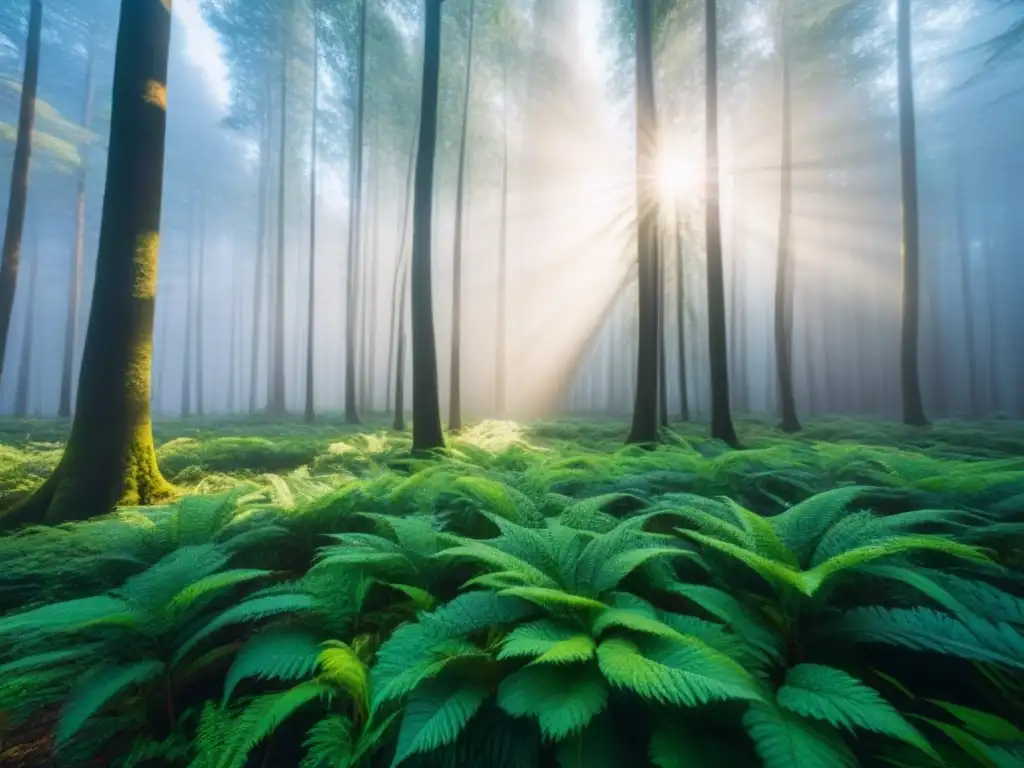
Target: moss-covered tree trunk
x,y
426,426
110,458
24,385
645,409
718,342
78,249
18,199
910,377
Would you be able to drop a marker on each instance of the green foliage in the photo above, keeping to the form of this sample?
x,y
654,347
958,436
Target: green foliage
x,y
519,602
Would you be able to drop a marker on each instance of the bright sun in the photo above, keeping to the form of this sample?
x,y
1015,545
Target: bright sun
x,y
677,176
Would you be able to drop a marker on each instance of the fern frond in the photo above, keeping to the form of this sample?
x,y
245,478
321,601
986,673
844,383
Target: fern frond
x,y
435,715
547,642
562,699
96,689
213,583
277,654
801,526
342,667
785,741
329,744
70,616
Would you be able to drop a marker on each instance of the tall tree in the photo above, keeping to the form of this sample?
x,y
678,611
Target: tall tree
x,y
645,410
260,257
500,343
200,296
426,426
276,394
311,295
18,199
399,294
354,223
23,388
455,375
718,344
913,406
966,291
78,248
186,368
110,457
684,399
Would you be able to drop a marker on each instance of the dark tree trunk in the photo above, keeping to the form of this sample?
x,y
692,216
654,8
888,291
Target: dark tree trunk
x,y
401,277
259,261
499,347
455,374
684,398
354,219
967,293
311,295
276,396
399,422
78,249
186,369
200,294
19,178
662,359
784,263
426,427
24,382
718,344
913,408
109,457
645,409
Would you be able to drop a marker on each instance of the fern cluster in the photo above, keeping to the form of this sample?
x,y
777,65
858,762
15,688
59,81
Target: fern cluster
x,y
521,602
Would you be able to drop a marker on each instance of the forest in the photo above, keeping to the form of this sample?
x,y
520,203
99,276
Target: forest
x,y
512,383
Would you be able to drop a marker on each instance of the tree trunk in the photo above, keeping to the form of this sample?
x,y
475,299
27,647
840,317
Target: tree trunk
x,y
200,293
233,357
311,296
662,360
19,177
186,369
276,396
967,293
354,218
455,378
645,409
718,344
77,251
426,432
23,388
371,296
784,263
109,457
261,251
913,408
399,422
499,347
684,398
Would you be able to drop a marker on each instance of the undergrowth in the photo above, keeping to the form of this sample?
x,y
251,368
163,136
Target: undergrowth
x,y
539,596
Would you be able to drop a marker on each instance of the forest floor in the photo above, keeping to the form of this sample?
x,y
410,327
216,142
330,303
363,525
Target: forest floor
x,y
338,528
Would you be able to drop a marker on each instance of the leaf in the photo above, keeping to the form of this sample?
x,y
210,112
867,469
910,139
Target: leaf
x,y
213,583
329,742
985,725
278,654
96,690
553,598
563,699
829,694
549,642
70,616
785,741
342,667
435,715
619,566
801,526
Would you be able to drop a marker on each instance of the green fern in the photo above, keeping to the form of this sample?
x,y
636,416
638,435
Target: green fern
x,y
783,740
96,690
277,654
563,699
435,715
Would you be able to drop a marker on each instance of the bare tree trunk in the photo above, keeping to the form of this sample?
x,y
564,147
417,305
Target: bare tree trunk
x,y
276,397
644,428
967,292
23,389
371,297
718,343
499,347
662,360
401,268
186,371
259,259
455,376
684,398
78,249
200,295
311,295
913,408
18,198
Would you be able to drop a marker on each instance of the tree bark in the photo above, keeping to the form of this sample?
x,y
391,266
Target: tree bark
x,y
455,378
311,295
784,263
662,359
186,369
426,432
276,396
967,292
913,407
200,293
78,250
499,347
259,260
718,344
21,393
644,428
18,198
370,312
109,457
684,398
354,219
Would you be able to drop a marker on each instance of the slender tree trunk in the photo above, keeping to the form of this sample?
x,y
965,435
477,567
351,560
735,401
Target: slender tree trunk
x,y
401,266
233,356
426,433
913,408
109,457
355,203
645,410
23,388
186,370
399,423
371,297
684,398
78,249
311,296
502,334
718,344
455,375
200,295
259,260
276,398
784,263
662,359
967,292
19,177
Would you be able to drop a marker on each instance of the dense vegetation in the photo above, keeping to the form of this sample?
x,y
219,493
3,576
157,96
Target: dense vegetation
x,y
538,596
